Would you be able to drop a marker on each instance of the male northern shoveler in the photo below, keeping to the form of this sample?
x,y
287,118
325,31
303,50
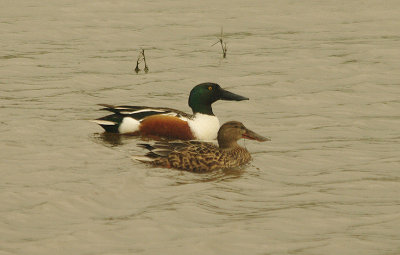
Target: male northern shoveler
x,y
171,123
199,156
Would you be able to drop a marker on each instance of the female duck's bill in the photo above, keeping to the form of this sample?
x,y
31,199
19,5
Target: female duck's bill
x,y
251,135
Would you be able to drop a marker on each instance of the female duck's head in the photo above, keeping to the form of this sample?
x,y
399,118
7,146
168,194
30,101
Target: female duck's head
x,y
231,131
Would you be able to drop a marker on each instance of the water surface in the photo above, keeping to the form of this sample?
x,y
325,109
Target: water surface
x,y
323,82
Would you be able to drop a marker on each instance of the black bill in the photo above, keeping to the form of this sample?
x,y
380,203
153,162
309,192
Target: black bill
x,y
226,95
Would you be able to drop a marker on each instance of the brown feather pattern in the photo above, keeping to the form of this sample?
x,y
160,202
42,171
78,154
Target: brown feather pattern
x,y
199,156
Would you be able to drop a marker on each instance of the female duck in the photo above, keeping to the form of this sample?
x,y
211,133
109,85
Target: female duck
x,y
199,156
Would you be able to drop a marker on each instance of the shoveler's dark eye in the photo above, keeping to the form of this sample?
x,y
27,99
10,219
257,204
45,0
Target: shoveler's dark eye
x,y
210,88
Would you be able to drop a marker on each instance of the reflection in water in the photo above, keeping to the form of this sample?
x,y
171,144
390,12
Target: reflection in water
x,y
215,176
110,139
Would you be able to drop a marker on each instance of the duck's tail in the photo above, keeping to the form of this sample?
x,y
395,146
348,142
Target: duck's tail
x,y
155,151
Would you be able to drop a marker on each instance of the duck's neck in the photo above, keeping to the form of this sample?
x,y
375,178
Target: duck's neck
x,y
199,106
205,109
228,145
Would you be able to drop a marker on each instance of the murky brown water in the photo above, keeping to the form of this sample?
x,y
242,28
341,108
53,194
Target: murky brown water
x,y
323,80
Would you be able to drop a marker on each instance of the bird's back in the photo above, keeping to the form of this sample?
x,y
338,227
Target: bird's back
x,y
197,156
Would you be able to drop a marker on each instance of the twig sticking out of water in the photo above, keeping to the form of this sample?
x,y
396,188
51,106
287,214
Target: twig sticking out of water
x,y
223,44
146,68
137,69
141,57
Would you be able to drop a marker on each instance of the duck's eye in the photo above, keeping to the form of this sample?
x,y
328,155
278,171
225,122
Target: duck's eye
x,y
210,88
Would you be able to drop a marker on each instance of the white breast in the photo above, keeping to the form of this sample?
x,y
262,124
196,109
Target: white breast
x,y
204,126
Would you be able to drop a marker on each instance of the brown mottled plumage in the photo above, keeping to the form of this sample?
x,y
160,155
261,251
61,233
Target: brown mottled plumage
x,y
198,156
